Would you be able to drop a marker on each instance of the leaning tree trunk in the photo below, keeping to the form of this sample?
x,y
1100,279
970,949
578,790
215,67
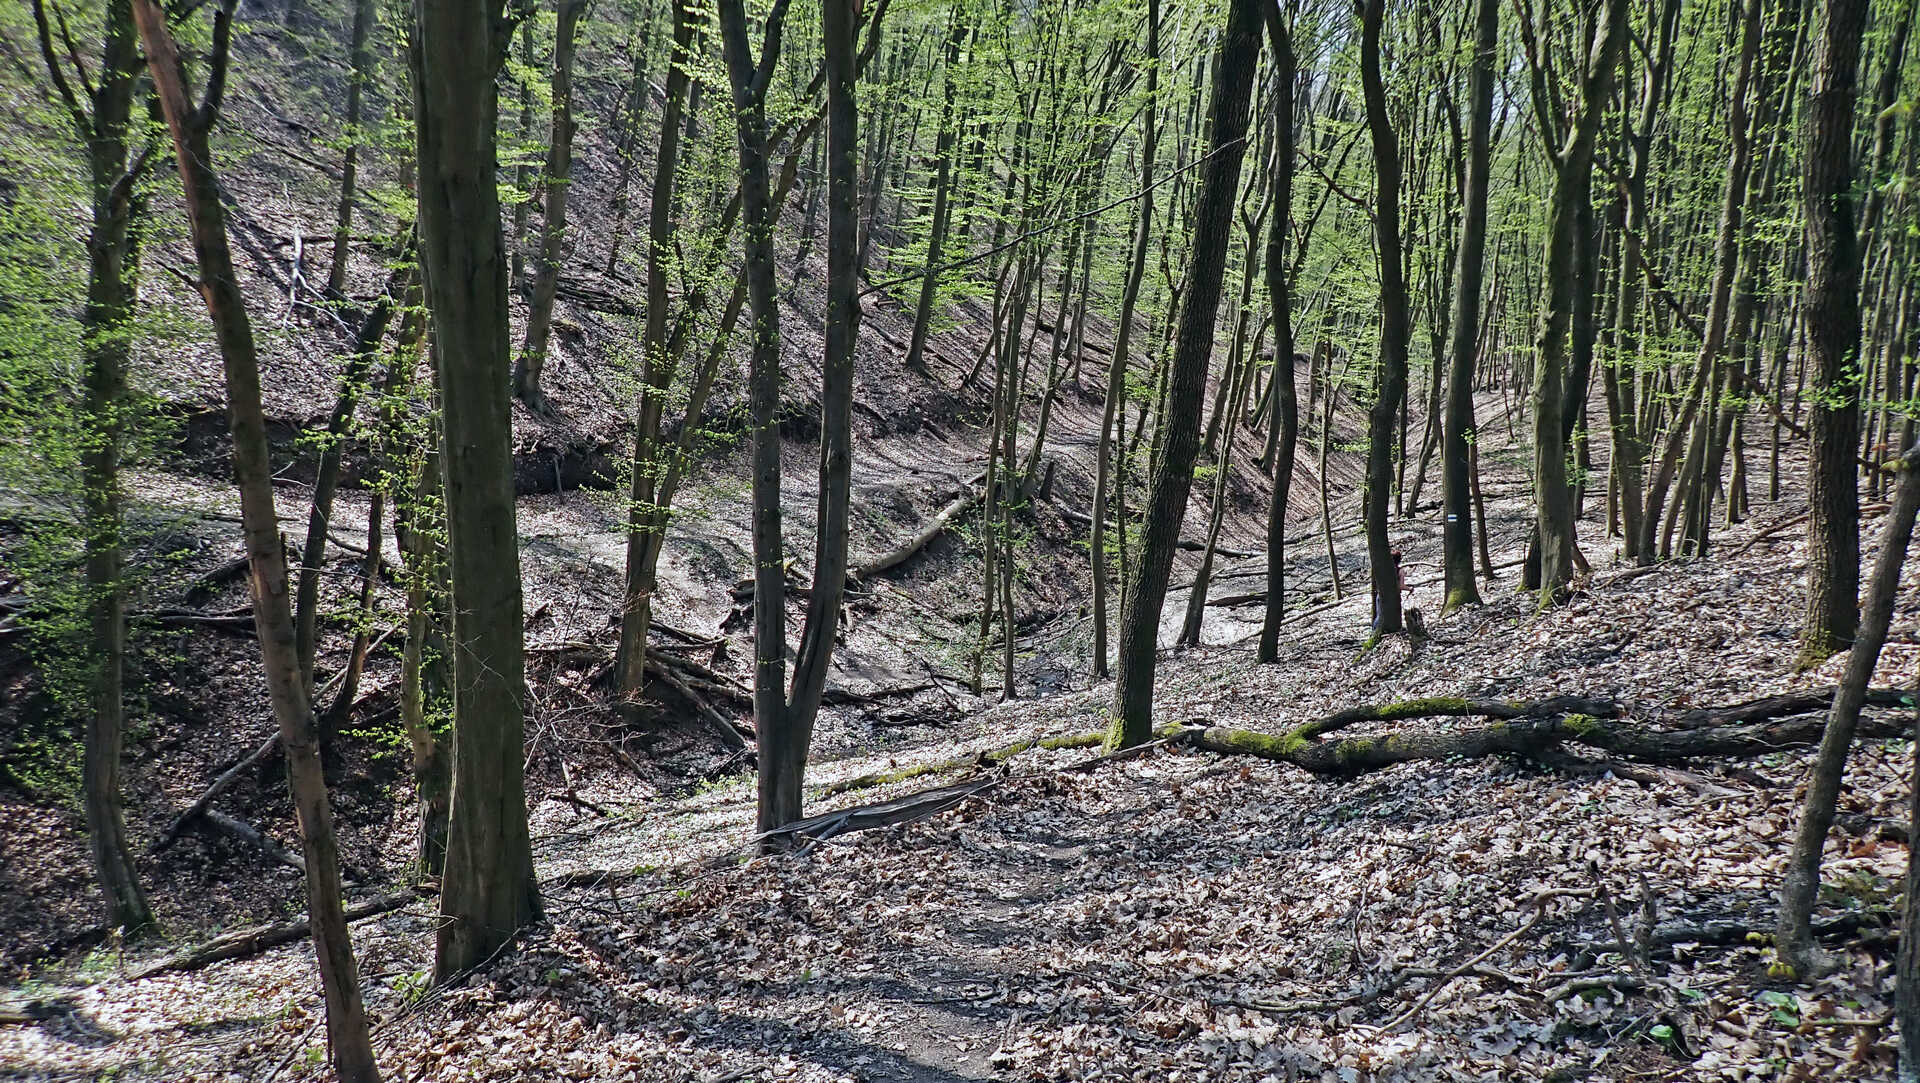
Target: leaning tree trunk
x,y
488,892
1235,58
1395,328
1906,982
1286,398
273,618
532,361
1456,539
1833,335
1793,937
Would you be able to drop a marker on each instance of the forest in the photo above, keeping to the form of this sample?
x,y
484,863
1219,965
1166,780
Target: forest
x,y
951,540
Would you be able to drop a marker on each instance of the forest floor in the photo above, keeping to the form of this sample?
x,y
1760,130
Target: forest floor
x,y
1170,915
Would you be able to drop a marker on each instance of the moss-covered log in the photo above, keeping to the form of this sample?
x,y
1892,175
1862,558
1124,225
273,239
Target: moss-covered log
x,y
1523,736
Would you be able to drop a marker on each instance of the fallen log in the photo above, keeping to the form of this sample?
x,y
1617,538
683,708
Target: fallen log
x,y
1523,736
253,836
934,527
245,943
1816,699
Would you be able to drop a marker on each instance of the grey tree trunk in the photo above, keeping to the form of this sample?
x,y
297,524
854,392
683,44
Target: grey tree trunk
x,y
532,361
1570,149
656,365
1286,397
1833,336
1456,539
488,891
102,124
1113,413
1395,329
360,60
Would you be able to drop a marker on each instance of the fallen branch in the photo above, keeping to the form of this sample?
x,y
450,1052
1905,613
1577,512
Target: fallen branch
x,y
722,726
245,943
212,793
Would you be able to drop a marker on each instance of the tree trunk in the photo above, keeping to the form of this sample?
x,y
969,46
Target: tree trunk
x,y
1571,154
656,364
112,273
488,892
1236,57
1113,413
1286,398
1793,938
1456,538
553,236
1833,336
361,61
942,194
1395,329
306,602
273,618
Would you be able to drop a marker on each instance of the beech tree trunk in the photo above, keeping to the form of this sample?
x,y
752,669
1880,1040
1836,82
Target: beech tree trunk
x,y
273,618
1458,433
1832,316
657,363
1113,413
1570,149
1286,398
1235,59
360,60
1390,390
102,123
488,891
532,361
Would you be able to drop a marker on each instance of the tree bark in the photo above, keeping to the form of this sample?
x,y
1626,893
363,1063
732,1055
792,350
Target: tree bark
x,y
532,361
1286,397
488,891
942,194
113,249
1832,314
657,363
1458,433
1571,159
1793,939
1113,413
360,60
1235,58
226,307
1390,390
